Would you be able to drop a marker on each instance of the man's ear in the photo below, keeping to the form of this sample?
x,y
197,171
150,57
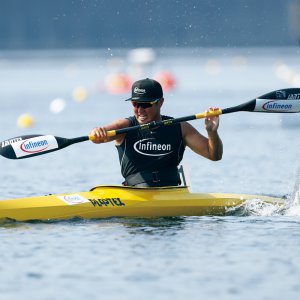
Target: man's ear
x,y
161,102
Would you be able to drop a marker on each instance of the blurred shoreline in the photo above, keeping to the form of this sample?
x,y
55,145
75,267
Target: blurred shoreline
x,y
181,51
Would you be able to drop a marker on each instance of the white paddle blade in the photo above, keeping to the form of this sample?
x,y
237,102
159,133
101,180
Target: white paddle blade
x,y
277,106
27,146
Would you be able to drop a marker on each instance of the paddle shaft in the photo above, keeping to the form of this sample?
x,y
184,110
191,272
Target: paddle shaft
x,y
281,101
163,123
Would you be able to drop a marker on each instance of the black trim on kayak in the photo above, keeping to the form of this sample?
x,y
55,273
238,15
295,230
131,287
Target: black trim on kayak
x,y
140,188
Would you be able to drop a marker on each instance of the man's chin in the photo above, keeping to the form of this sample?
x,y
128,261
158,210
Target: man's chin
x,y
143,121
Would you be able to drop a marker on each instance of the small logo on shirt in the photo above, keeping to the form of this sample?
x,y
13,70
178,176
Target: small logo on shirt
x,y
151,147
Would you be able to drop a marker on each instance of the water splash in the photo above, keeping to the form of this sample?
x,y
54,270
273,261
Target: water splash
x,y
293,201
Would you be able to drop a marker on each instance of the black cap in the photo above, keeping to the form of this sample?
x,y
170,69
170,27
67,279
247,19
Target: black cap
x,y
146,90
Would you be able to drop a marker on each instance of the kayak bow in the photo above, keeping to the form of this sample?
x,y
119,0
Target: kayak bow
x,y
120,201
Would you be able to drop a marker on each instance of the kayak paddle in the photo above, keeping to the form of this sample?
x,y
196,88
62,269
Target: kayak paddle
x,y
280,101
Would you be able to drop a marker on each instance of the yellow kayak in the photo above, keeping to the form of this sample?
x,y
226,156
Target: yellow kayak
x,y
120,201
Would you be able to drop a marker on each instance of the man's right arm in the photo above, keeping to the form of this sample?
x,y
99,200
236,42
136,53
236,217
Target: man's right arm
x,y
100,133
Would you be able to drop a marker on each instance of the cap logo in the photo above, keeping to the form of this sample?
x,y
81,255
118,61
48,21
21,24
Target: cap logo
x,y
139,91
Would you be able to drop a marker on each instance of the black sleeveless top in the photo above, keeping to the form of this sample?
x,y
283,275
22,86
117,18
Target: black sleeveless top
x,y
151,150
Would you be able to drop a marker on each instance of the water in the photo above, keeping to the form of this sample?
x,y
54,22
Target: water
x,y
251,252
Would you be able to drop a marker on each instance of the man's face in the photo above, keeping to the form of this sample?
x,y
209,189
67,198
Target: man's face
x,y
147,112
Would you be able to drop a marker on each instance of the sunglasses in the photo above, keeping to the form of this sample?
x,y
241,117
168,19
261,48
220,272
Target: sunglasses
x,y
144,104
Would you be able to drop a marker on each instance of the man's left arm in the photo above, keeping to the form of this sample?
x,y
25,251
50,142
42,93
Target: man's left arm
x,y
211,147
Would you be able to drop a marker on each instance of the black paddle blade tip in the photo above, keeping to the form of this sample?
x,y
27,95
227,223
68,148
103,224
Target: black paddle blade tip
x,y
283,94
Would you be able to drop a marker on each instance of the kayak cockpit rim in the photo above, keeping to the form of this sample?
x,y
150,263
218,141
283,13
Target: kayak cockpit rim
x,y
140,188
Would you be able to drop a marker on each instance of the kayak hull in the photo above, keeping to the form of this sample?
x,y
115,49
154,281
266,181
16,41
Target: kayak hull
x,y
120,201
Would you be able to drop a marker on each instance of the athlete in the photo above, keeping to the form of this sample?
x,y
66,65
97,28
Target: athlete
x,y
150,157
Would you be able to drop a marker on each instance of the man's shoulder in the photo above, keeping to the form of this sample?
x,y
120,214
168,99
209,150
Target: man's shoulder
x,y
132,120
120,123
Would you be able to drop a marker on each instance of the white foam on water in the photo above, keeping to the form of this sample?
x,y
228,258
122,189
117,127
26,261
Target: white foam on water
x,y
259,207
255,207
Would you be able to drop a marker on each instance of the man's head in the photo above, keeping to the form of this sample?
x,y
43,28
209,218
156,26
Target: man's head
x,y
147,99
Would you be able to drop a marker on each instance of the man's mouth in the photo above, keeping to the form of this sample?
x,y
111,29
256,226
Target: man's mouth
x,y
142,117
